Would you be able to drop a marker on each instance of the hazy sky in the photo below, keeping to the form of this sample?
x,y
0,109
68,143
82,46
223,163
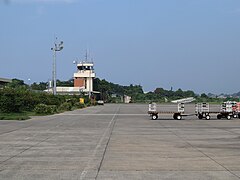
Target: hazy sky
x,y
188,44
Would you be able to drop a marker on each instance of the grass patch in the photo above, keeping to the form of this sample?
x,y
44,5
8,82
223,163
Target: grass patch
x,y
27,114
15,116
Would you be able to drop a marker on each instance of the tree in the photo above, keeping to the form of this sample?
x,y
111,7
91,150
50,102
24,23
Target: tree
x,y
41,86
107,89
203,95
16,83
68,83
11,100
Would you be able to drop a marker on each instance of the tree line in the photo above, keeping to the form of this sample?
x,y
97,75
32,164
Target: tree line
x,y
108,89
18,96
111,92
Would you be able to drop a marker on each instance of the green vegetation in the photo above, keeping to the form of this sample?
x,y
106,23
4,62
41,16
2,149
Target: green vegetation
x,y
108,89
15,116
113,92
18,101
44,85
45,109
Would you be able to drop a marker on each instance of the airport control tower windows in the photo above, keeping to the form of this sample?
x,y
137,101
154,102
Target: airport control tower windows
x,y
83,68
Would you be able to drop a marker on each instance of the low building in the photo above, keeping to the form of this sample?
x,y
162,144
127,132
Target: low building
x,y
83,81
70,91
4,82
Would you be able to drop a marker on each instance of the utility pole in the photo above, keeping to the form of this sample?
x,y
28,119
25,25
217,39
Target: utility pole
x,y
57,47
89,80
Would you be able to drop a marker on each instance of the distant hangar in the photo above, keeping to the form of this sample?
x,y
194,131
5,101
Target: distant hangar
x,y
4,81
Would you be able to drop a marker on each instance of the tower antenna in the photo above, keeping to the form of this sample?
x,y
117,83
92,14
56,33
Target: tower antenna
x,y
86,56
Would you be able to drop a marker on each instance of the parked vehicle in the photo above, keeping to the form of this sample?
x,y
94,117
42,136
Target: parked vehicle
x,y
100,102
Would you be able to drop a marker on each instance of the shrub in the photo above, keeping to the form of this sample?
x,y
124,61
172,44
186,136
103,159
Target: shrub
x,y
50,99
66,106
72,100
45,109
17,100
78,105
9,101
21,99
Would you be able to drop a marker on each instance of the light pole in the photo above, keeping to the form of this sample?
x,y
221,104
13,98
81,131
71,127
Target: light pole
x,y
57,47
29,83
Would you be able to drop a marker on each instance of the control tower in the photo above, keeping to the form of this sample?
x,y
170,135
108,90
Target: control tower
x,y
83,78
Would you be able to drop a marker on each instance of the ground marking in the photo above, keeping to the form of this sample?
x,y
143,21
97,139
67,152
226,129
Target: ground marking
x,y
85,171
103,114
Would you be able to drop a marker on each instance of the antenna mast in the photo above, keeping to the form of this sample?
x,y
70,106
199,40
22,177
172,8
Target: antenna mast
x,y
86,56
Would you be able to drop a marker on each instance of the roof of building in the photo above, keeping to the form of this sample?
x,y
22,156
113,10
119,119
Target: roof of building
x,y
85,63
5,80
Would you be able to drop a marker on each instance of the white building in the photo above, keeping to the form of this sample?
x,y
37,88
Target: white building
x,y
84,76
83,80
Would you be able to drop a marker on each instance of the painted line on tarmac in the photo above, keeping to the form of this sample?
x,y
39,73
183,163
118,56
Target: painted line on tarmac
x,y
108,129
103,114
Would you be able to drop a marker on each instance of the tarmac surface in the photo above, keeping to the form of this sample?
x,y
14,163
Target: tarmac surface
x,y
118,141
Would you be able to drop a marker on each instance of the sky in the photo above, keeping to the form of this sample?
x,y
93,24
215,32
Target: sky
x,y
187,44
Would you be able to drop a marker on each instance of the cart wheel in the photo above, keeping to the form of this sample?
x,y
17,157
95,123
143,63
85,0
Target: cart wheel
x,y
154,116
207,117
235,116
219,116
200,116
174,116
228,117
179,117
